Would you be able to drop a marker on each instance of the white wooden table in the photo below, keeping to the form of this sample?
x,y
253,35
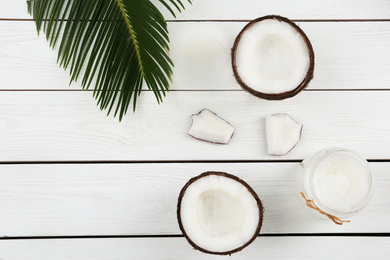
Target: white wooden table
x,y
76,184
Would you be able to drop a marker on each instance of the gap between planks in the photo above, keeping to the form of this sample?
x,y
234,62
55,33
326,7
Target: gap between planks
x,y
181,236
240,20
167,162
190,90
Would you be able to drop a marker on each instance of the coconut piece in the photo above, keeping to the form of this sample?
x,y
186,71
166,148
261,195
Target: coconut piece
x,y
219,213
283,133
272,58
209,127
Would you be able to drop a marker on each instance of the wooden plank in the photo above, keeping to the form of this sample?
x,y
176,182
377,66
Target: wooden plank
x,y
141,199
348,56
248,9
201,52
175,248
67,126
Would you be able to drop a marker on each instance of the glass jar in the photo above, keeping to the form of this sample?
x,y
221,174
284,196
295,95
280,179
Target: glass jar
x,y
335,183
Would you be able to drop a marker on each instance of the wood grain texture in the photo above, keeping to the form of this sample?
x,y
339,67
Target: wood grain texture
x,y
67,126
248,9
141,199
351,55
338,248
92,199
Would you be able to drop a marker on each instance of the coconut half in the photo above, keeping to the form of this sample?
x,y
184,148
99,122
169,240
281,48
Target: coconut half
x,y
272,58
283,133
219,213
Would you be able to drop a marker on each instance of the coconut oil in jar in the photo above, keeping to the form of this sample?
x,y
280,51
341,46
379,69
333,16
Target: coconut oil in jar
x,y
335,183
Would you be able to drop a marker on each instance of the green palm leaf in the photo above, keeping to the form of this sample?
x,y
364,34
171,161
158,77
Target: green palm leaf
x,y
116,44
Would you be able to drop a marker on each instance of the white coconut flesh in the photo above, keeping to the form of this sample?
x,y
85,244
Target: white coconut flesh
x,y
207,126
283,133
219,214
272,57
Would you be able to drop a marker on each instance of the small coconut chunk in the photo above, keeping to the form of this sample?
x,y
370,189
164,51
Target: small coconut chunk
x,y
219,213
209,127
283,133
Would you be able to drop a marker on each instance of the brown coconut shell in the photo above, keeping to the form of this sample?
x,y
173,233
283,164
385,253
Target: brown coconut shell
x,y
227,175
274,96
